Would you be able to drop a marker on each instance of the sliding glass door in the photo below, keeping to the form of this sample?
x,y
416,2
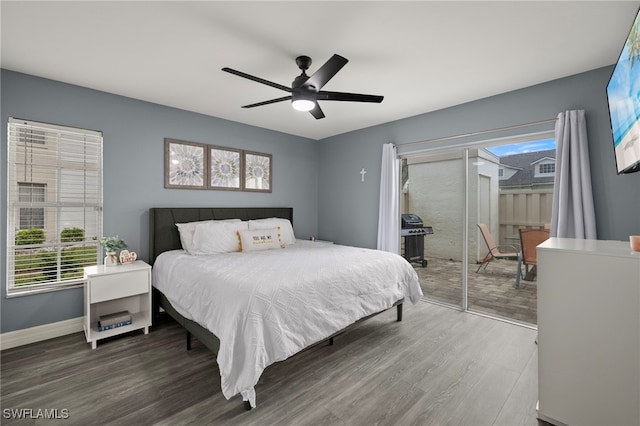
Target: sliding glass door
x,y
478,198
434,190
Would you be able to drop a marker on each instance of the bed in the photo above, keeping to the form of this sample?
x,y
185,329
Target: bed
x,y
255,308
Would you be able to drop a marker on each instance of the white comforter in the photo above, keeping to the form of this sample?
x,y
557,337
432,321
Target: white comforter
x,y
266,306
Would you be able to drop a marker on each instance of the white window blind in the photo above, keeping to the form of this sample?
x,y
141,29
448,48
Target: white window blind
x,y
54,205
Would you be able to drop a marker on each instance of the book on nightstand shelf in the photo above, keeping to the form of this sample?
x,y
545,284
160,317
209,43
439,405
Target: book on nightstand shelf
x,y
116,325
118,319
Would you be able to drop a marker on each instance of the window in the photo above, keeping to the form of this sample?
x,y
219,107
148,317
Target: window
x,y
54,205
547,168
500,172
31,217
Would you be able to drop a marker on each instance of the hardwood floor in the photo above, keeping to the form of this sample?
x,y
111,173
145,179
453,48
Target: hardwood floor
x,y
437,367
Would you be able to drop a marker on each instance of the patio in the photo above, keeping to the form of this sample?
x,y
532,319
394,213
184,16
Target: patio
x,y
491,291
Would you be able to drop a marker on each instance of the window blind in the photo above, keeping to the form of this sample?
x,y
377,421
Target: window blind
x,y
54,205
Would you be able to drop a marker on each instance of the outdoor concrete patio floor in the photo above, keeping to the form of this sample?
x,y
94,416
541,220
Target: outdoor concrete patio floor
x,y
491,291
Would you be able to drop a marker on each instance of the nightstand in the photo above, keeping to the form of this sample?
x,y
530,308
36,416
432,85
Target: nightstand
x,y
111,289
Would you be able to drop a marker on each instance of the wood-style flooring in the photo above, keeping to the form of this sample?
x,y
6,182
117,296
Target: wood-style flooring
x,y
438,366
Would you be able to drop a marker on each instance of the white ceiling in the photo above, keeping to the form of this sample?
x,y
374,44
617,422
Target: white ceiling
x,y
421,55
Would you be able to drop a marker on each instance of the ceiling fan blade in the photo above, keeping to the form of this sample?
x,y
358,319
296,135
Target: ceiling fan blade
x,y
257,79
350,97
272,101
326,72
317,112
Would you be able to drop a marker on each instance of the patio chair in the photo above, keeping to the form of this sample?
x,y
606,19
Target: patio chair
x,y
495,252
529,240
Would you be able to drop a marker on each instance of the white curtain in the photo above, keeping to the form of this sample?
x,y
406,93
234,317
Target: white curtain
x,y
573,214
389,211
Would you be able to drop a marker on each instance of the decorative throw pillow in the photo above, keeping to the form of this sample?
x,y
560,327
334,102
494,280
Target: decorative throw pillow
x,y
217,237
260,239
187,230
286,230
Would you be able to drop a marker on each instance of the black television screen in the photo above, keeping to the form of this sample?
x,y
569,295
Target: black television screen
x,y
623,96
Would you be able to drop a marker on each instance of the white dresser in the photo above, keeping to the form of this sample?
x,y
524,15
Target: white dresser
x,y
588,332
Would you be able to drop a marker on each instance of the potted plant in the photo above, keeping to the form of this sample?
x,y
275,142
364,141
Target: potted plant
x,y
111,245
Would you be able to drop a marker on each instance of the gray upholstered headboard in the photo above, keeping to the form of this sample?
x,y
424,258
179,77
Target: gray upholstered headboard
x,y
163,232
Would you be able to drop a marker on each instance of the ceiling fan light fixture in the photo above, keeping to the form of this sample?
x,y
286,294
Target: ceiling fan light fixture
x,y
303,104
307,90
303,98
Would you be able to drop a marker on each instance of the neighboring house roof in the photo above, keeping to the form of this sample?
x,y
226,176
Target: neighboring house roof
x,y
526,163
544,159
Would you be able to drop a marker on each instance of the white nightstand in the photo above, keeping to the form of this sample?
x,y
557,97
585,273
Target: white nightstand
x,y
111,289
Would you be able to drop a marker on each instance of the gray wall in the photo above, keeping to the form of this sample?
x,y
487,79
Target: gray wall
x,y
134,133
348,208
320,180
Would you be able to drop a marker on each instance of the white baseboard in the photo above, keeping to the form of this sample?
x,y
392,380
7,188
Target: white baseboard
x,y
25,336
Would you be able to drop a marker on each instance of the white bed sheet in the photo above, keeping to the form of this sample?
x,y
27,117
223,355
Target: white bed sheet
x,y
266,306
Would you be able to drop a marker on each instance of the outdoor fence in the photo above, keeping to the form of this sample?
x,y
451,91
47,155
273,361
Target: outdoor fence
x,y
524,208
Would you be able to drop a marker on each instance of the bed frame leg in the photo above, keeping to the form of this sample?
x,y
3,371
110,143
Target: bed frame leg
x,y
188,341
399,309
330,341
155,307
247,405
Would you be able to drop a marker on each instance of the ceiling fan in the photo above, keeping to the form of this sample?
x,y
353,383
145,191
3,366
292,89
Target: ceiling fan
x,y
306,90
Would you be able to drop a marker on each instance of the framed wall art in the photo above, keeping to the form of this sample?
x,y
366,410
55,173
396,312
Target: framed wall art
x,y
257,171
185,164
225,168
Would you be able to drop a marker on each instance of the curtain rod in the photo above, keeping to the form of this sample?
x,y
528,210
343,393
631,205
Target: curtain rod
x,y
480,132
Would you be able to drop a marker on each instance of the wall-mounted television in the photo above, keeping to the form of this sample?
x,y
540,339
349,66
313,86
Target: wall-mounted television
x,y
623,96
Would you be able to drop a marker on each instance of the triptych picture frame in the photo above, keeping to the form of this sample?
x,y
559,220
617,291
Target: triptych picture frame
x,y
190,165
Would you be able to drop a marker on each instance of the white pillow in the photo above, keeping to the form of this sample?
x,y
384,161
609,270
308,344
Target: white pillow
x,y
260,239
186,231
217,237
286,230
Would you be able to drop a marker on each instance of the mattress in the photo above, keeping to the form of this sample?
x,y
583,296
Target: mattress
x,y
265,306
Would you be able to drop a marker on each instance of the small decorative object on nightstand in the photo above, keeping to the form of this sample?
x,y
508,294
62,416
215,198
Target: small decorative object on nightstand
x,y
116,289
127,256
110,259
111,245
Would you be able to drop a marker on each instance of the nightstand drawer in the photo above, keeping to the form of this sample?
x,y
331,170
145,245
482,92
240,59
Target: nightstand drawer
x,y
115,286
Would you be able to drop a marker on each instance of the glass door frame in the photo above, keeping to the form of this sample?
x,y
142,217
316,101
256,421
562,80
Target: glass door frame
x,y
464,149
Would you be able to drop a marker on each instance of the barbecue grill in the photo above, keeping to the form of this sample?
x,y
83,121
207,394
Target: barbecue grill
x,y
413,231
